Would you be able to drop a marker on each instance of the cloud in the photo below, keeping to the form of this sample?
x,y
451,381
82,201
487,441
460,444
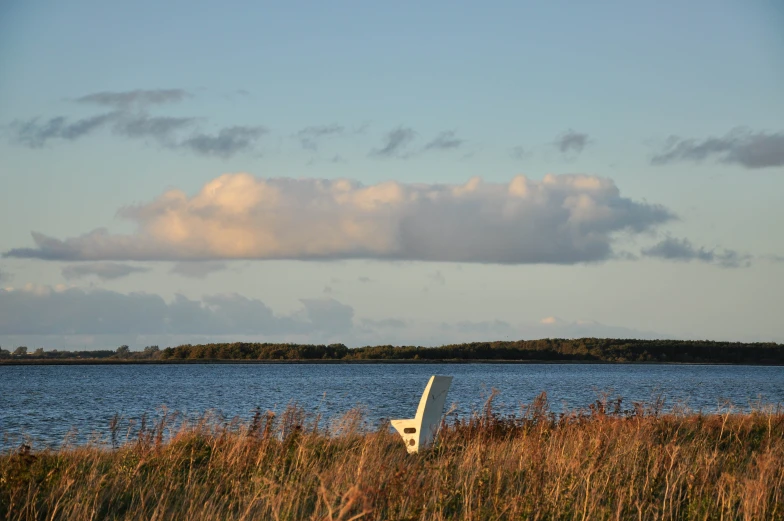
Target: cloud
x,y
160,128
4,276
332,317
394,142
196,269
740,146
445,141
309,137
130,119
42,310
71,317
102,270
682,250
138,97
562,219
227,142
364,280
34,133
571,142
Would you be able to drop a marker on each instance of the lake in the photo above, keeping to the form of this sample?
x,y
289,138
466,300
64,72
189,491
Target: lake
x,y
45,402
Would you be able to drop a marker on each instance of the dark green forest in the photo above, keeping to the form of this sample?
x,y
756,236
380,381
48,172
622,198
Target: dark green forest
x,y
545,350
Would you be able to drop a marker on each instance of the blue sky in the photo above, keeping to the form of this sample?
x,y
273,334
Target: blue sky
x,y
304,171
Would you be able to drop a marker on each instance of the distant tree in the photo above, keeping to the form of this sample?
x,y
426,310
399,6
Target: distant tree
x,y
123,352
4,353
39,352
20,351
151,351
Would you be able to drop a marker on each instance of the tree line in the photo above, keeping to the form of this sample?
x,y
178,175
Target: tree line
x,y
550,350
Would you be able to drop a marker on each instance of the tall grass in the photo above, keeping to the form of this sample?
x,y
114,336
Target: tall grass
x,y
599,463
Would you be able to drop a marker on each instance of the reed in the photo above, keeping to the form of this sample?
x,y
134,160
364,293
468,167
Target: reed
x,y
604,462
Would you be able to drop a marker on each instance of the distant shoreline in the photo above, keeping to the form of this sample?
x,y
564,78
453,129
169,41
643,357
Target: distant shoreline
x,y
99,361
542,351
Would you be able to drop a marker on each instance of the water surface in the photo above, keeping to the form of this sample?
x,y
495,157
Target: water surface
x,y
46,402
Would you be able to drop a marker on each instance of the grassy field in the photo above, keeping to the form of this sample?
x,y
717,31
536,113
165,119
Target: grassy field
x,y
600,463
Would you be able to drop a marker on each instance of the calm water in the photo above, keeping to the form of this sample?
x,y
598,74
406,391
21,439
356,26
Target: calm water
x,y
45,402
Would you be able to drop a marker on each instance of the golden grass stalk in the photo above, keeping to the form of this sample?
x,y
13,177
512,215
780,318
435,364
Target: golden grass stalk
x,y
601,463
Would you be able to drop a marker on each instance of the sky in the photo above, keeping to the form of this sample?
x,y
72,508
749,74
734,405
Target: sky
x,y
401,173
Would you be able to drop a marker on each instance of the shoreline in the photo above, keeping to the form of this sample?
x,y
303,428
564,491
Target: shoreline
x,y
216,361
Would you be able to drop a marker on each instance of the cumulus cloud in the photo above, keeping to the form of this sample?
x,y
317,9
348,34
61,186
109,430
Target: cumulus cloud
x,y
43,310
683,250
571,142
445,141
102,270
226,143
395,142
197,269
309,137
562,219
138,97
739,146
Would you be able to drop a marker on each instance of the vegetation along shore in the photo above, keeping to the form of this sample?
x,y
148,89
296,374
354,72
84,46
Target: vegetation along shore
x,y
588,350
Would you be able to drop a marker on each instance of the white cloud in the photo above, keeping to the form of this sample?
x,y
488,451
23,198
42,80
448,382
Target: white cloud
x,y
561,219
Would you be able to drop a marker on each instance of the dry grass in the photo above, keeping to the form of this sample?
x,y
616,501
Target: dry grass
x,y
602,463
